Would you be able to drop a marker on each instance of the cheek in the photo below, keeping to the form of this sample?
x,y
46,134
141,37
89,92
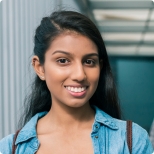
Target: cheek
x,y
55,75
93,76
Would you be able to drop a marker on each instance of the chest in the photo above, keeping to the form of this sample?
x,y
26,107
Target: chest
x,y
65,144
100,141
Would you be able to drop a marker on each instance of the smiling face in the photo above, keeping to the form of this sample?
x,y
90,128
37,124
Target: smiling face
x,y
71,69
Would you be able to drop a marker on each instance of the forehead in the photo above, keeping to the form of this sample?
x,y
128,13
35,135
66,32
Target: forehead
x,y
74,43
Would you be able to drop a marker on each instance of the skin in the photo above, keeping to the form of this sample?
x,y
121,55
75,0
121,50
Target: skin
x,y
71,60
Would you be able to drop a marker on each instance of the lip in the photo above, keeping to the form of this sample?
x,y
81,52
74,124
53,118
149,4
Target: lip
x,y
77,94
76,85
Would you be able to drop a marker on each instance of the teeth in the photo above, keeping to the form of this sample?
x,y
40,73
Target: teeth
x,y
72,89
76,89
79,89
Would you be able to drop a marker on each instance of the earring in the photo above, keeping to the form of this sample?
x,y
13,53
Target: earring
x,y
42,77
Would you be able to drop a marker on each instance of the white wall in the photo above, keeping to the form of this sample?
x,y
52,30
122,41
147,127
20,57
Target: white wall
x,y
18,20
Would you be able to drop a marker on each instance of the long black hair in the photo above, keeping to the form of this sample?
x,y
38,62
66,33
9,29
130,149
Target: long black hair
x,y
105,96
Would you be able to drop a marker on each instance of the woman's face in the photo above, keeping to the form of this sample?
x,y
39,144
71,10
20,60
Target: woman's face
x,y
71,69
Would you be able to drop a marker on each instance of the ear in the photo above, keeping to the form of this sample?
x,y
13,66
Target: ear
x,y
38,67
101,63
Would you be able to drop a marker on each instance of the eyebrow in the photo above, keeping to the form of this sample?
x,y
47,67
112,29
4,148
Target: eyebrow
x,y
67,53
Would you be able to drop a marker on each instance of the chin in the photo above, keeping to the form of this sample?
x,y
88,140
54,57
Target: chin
x,y
77,105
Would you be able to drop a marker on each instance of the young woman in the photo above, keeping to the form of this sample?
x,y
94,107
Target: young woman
x,y
73,108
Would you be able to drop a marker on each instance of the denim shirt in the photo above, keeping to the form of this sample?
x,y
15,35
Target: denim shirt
x,y
108,137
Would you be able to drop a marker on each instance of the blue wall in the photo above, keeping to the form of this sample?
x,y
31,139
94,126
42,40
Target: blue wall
x,y
135,82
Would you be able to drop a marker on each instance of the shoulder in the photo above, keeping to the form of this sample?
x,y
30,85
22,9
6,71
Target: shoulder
x,y
6,144
140,138
117,129
26,133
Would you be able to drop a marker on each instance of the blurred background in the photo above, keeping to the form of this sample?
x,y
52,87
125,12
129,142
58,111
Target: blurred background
x,y
127,28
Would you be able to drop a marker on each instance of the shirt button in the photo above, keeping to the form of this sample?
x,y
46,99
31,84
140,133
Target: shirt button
x,y
96,136
96,126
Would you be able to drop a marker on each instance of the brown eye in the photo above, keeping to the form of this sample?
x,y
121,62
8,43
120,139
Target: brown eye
x,y
90,62
62,61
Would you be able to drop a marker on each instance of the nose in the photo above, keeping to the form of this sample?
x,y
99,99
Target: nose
x,y
78,73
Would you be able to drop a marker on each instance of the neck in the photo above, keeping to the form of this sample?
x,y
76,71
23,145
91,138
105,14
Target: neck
x,y
62,117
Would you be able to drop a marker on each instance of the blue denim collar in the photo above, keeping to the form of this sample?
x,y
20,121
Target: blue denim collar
x,y
105,119
29,130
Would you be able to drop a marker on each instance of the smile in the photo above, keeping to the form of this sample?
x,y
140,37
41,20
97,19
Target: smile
x,y
76,89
